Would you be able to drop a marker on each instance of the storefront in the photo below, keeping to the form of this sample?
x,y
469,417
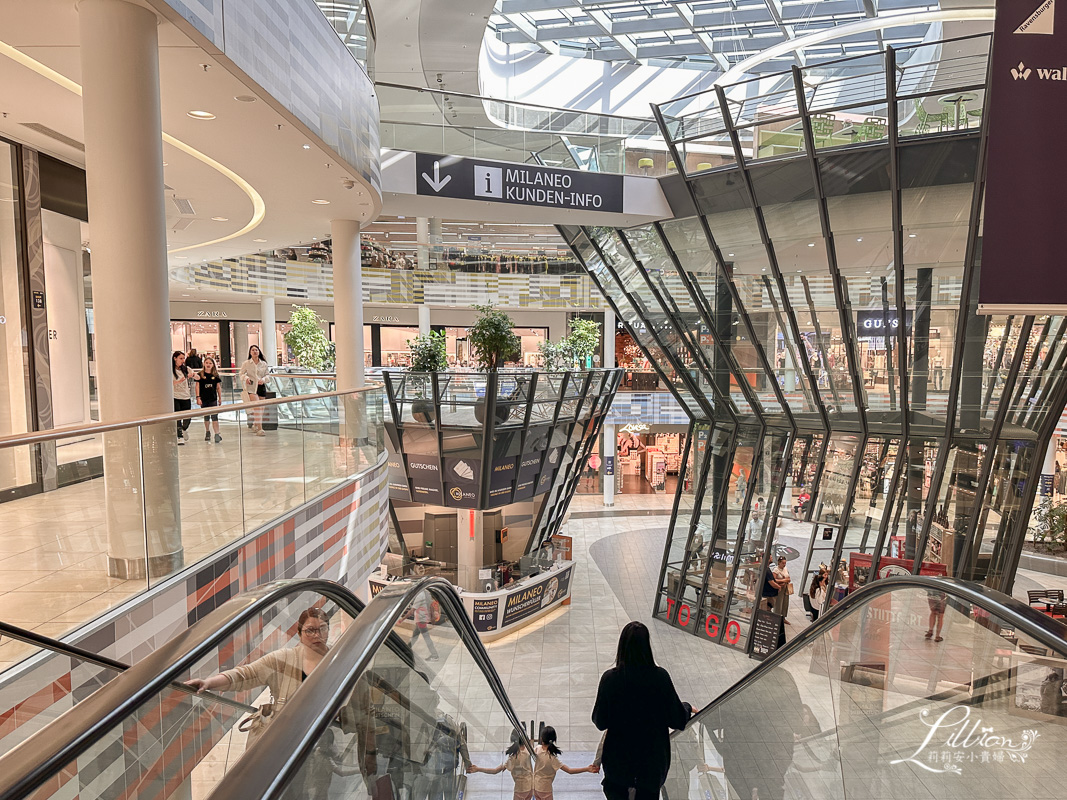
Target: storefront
x,y
647,460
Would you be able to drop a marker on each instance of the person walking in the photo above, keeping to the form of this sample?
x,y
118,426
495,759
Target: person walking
x,y
637,705
193,360
422,625
182,398
207,396
253,376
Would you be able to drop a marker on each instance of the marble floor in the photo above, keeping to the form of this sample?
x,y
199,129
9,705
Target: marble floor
x,y
54,546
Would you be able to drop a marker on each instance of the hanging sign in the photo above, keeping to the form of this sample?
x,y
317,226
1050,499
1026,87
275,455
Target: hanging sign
x,y
1022,253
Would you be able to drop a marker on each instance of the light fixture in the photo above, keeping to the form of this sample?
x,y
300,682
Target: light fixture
x,y
912,235
859,238
244,98
260,241
811,244
180,257
729,255
200,114
221,219
306,146
321,202
165,164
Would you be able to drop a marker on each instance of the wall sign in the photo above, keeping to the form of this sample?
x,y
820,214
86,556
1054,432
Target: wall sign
x,y
522,184
203,314
1022,258
872,323
485,614
384,318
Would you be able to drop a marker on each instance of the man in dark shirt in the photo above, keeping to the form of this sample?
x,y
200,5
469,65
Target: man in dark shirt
x,y
193,361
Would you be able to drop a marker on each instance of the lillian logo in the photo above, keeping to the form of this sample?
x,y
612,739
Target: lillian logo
x,y
1020,72
955,738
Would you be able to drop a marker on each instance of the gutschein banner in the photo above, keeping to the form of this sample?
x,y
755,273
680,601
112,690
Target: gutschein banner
x,y
1026,171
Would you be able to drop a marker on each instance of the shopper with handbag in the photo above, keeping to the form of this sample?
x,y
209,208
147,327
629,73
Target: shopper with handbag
x,y
781,602
253,376
282,671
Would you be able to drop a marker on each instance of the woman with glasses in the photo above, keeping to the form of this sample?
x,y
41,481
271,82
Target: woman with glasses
x,y
282,670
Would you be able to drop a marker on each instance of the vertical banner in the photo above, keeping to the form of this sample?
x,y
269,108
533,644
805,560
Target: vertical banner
x,y
1022,253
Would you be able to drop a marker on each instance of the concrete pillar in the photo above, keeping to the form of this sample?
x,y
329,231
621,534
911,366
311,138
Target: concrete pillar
x,y
268,330
424,319
348,303
607,446
422,239
124,176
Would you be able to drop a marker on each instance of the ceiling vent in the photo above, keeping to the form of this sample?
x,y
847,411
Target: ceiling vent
x,y
44,130
182,224
185,208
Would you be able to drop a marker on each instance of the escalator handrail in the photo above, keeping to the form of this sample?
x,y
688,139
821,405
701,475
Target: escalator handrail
x,y
285,744
1026,620
31,763
73,651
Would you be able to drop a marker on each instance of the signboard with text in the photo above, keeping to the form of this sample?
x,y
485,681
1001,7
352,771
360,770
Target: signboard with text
x,y
521,184
1022,255
879,323
485,614
528,600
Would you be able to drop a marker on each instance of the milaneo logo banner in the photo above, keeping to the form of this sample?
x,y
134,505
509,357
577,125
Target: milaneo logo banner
x,y
1022,252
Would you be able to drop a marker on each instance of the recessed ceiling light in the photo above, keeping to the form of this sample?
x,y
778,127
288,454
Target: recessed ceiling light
x,y
729,255
859,238
912,235
200,114
314,238
185,295
221,219
181,257
244,98
165,164
321,202
811,244
798,270
259,240
306,146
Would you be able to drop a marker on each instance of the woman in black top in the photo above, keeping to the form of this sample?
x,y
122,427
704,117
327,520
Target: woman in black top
x,y
637,705
207,396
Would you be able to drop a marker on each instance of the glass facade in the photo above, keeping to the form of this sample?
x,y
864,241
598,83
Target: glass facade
x,y
817,319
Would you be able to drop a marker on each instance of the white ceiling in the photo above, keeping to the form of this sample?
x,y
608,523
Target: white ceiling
x,y
259,142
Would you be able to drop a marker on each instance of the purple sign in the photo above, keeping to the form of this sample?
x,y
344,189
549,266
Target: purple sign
x,y
1022,251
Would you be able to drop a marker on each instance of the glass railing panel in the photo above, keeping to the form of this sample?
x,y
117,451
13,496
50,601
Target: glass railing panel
x,y
915,688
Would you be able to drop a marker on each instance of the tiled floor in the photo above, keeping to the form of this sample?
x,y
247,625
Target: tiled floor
x,y
53,547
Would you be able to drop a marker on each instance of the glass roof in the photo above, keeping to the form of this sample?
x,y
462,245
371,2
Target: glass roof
x,y
699,34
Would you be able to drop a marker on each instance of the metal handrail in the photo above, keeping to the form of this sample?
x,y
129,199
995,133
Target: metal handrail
x,y
28,765
37,437
283,747
73,651
1042,628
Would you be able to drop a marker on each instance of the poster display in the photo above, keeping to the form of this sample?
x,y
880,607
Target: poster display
x,y
425,475
528,599
766,633
485,611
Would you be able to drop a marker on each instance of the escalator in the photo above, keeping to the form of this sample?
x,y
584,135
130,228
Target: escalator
x,y
860,705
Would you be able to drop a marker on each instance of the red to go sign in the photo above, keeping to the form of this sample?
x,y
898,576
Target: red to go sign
x,y
682,615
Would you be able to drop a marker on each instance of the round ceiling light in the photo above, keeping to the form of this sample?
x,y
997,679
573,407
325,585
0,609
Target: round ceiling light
x,y
200,114
321,202
221,219
244,98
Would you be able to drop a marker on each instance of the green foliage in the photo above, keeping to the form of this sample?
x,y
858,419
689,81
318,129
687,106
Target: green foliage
x,y
555,356
491,338
1050,530
429,352
584,339
308,342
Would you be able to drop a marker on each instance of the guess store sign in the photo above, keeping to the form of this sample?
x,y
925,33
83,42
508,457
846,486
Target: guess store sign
x,y
682,615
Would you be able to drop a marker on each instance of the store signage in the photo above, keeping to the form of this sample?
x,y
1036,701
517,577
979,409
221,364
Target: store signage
x,y
203,314
522,184
1022,258
958,736
425,475
681,615
485,614
38,299
879,323
384,318
635,427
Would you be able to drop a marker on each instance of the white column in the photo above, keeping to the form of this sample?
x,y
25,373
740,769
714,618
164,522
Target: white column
x,y
268,330
424,319
124,176
422,242
608,439
348,303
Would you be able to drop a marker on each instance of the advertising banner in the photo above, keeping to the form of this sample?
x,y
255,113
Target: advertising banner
x,y
528,600
398,479
1022,255
485,614
425,474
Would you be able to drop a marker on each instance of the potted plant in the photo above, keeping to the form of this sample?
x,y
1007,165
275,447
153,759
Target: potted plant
x,y
491,339
555,356
428,354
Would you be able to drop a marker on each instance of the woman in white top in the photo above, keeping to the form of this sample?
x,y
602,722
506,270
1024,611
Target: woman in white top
x,y
182,398
253,376
781,602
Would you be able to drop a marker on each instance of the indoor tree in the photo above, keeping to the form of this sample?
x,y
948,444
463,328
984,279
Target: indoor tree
x,y
583,341
306,339
491,338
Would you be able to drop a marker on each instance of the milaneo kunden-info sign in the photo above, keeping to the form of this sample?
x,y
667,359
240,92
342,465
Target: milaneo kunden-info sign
x,y
1022,249
522,184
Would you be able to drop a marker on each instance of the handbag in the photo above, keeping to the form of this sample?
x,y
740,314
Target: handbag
x,y
256,722
789,588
